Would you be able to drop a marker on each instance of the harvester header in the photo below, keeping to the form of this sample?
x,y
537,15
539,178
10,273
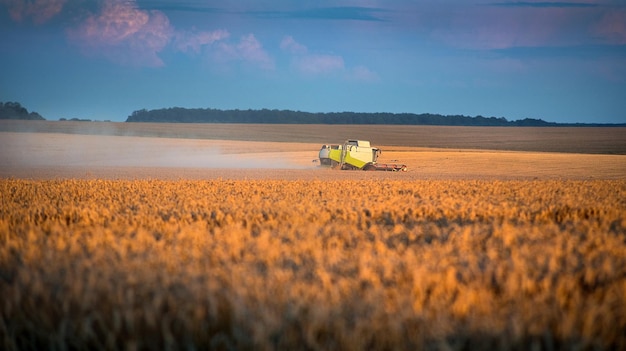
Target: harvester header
x,y
355,154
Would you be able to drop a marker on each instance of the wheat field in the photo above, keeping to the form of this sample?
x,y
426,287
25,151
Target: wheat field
x,y
375,264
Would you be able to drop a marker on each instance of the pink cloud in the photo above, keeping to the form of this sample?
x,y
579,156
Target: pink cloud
x,y
248,50
319,64
39,10
310,64
290,45
194,41
124,34
251,50
322,64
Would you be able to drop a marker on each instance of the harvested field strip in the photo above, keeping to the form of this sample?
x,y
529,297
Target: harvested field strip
x,y
591,140
270,264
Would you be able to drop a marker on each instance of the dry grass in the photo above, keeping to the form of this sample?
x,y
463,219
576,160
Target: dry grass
x,y
337,264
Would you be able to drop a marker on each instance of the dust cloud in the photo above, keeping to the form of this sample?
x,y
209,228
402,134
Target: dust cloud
x,y
51,149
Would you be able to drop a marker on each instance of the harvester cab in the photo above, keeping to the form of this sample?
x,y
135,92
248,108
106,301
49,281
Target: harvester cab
x,y
355,154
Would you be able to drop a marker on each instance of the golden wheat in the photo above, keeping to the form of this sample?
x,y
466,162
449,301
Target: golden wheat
x,y
377,264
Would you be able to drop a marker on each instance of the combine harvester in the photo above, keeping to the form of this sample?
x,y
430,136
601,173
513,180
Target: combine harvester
x,y
355,154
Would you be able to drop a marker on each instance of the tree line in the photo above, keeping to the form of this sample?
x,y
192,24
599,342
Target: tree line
x,y
209,115
14,110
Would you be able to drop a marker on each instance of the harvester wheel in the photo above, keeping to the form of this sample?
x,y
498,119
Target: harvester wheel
x,y
369,168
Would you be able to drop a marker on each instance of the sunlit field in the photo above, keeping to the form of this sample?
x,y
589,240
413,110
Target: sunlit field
x,y
312,264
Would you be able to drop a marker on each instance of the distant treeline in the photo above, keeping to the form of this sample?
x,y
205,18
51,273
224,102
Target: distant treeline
x,y
208,115
13,110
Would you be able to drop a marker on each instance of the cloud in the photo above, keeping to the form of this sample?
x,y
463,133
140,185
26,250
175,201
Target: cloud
x,y
363,74
290,45
124,34
193,41
527,24
248,50
518,24
544,4
357,13
311,64
612,27
127,35
39,10
251,50
185,6
319,64
315,64
339,13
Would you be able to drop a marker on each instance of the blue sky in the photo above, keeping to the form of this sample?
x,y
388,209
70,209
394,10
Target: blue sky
x,y
102,60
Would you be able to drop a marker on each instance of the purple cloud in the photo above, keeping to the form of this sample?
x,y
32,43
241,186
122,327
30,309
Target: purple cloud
x,y
124,34
318,64
248,50
193,41
251,50
290,45
310,64
39,10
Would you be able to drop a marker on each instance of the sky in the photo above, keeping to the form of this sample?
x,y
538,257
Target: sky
x,y
560,61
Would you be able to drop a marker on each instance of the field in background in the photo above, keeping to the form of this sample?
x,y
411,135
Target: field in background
x,y
346,265
593,140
